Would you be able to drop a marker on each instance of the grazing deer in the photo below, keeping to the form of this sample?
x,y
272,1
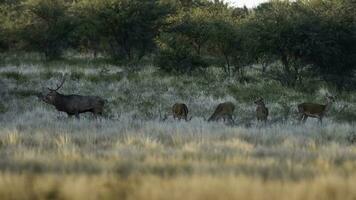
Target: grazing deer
x,y
223,111
74,104
180,111
261,110
315,110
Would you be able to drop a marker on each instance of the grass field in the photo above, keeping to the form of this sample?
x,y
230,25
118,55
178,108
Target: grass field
x,y
131,154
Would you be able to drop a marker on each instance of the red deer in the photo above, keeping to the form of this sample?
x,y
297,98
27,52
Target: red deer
x,y
315,110
74,104
180,111
261,110
223,111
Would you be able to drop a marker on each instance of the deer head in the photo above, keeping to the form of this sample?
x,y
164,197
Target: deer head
x,y
50,98
259,101
330,98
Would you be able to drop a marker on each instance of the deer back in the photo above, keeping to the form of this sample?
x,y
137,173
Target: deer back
x,y
180,109
223,109
311,108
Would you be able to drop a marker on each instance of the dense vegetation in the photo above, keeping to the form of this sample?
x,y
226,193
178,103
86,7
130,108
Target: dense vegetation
x,y
306,38
131,154
143,56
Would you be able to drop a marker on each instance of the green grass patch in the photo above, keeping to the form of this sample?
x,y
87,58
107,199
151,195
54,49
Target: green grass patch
x,y
271,91
3,109
104,77
25,93
20,78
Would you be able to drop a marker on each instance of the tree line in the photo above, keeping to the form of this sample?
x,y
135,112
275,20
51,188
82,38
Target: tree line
x,y
307,37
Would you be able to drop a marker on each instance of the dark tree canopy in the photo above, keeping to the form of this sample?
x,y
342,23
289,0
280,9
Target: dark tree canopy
x,y
303,37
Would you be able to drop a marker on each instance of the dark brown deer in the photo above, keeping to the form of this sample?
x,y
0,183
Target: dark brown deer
x,y
180,111
223,111
261,110
315,110
74,104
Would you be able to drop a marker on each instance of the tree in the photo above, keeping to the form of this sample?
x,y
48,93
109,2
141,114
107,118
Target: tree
x,y
182,44
8,19
47,25
226,39
128,28
331,40
314,33
276,29
87,36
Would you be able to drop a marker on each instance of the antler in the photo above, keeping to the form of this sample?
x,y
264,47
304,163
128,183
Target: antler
x,y
60,85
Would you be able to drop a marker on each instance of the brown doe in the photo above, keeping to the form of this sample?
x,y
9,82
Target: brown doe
x,y
180,111
74,104
315,110
261,110
223,111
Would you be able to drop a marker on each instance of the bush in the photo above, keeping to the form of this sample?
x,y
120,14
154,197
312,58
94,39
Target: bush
x,y
180,60
127,28
47,26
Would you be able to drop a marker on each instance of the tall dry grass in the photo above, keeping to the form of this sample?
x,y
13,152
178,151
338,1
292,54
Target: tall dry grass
x,y
131,154
108,186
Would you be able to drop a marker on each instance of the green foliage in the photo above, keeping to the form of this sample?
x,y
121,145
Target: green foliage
x,y
182,43
275,27
309,40
47,26
8,21
200,37
179,59
128,27
3,109
20,78
331,40
249,92
321,33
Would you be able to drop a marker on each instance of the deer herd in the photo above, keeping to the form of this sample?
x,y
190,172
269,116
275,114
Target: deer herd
x,y
74,105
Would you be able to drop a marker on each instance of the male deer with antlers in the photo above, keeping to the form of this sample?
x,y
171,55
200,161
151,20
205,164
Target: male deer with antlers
x,y
74,104
315,110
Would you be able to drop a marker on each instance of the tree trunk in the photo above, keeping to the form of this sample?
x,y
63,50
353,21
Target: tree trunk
x,y
289,77
227,60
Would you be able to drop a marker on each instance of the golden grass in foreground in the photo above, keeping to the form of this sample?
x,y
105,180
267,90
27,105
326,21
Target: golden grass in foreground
x,y
107,186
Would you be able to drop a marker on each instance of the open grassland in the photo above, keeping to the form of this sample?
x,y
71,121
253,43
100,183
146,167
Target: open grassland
x,y
183,187
131,154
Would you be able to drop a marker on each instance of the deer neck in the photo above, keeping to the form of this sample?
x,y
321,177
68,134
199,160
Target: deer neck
x,y
261,105
58,100
328,106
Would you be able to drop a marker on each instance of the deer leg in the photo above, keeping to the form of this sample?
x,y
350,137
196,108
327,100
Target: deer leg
x,y
231,119
301,117
305,118
97,112
77,115
320,119
225,118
